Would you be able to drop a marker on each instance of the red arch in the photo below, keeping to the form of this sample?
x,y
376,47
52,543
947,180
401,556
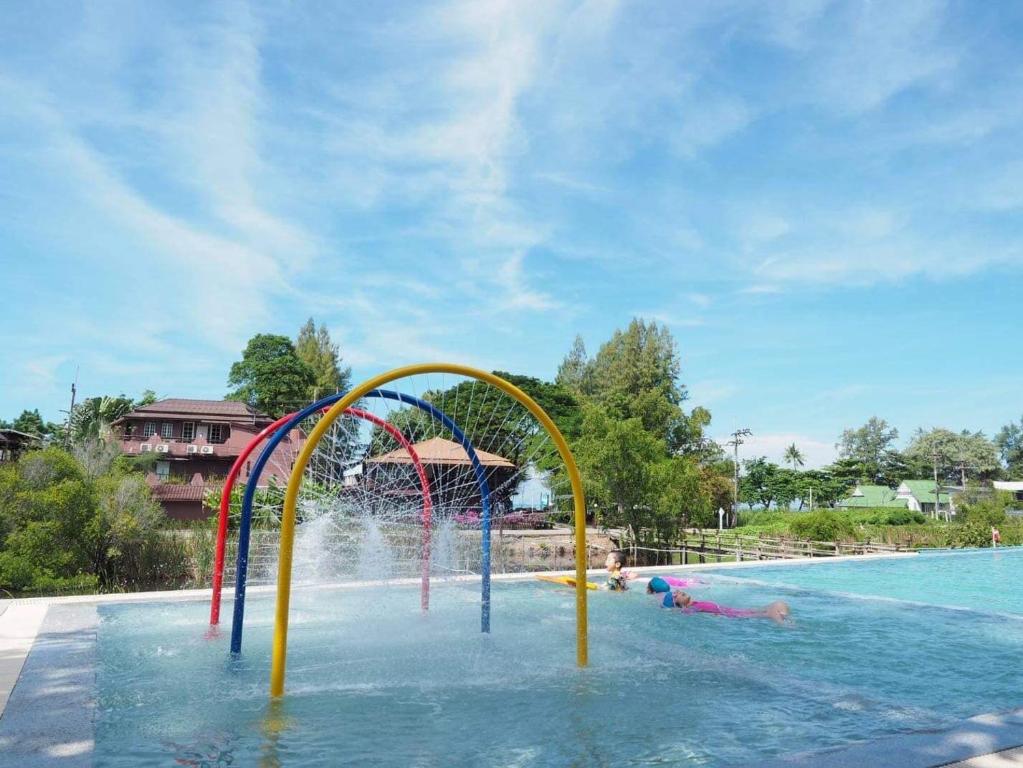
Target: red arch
x,y
236,468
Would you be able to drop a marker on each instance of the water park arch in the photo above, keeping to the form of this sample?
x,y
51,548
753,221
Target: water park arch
x,y
232,477
280,634
244,529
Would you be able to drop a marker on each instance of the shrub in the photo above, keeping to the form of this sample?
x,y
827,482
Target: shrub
x,y
823,525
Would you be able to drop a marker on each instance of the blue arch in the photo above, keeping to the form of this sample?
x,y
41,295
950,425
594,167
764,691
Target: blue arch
x,y
245,528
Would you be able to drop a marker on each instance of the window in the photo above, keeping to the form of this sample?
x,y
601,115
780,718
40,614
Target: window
x,y
216,433
166,431
149,429
163,469
188,431
129,430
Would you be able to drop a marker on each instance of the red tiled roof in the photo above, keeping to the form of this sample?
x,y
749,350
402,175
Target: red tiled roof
x,y
216,410
174,492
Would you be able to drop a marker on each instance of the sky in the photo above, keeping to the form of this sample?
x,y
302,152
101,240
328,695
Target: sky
x,y
822,200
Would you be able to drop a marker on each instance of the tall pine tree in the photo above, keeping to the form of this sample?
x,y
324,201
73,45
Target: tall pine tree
x,y
315,348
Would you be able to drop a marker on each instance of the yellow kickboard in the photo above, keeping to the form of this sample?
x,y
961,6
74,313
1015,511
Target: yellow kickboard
x,y
568,581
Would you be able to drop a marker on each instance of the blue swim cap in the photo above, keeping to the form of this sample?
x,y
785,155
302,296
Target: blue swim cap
x,y
668,601
657,584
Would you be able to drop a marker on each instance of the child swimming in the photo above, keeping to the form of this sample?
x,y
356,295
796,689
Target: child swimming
x,y
659,584
778,611
616,577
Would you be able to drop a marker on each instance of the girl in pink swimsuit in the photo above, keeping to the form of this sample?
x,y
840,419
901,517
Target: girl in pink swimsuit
x,y
778,611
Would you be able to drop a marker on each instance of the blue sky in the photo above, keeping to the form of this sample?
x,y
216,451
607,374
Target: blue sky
x,y
822,200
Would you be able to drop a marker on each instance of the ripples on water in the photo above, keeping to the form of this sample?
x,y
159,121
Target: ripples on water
x,y
372,681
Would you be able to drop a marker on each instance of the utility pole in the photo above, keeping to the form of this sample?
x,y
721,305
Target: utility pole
x,y
937,488
71,410
735,442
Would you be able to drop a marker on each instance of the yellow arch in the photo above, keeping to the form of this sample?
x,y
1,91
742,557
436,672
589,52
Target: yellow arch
x,y
280,640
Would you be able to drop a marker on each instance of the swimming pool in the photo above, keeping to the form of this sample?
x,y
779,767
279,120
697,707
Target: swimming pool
x,y
372,681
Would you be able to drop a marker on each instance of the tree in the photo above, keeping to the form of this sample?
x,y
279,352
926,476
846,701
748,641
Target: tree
x,y
30,422
794,457
758,482
572,371
635,375
871,447
956,455
91,418
689,437
1010,447
315,348
681,499
827,488
148,398
270,376
617,457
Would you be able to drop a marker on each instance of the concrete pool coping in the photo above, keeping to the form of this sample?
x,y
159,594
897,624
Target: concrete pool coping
x,y
48,659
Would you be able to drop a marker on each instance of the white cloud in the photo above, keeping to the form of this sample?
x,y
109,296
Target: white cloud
x,y
816,453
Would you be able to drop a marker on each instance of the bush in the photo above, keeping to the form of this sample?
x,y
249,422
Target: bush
x,y
823,525
892,516
68,527
983,509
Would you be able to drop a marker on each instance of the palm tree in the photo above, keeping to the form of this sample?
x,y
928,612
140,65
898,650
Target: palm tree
x,y
91,419
794,457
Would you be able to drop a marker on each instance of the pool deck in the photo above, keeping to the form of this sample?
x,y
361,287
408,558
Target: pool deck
x,y
48,707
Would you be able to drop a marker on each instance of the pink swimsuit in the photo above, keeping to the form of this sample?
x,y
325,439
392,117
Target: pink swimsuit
x,y
675,581
705,606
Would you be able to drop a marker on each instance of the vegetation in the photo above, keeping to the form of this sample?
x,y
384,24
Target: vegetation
x,y
315,348
68,525
647,464
270,376
1009,441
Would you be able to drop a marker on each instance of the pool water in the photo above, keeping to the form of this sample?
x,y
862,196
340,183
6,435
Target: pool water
x,y
372,682
985,579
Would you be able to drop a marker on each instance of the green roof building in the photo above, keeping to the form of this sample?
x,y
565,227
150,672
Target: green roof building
x,y
920,496
873,496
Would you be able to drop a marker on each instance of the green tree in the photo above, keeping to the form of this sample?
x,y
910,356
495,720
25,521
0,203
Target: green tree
x,y
91,418
636,375
148,397
680,498
958,455
1010,447
270,376
572,371
62,528
870,446
559,401
794,456
827,487
30,422
758,483
315,348
617,458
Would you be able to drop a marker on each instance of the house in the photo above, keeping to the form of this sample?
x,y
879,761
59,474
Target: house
x,y
873,496
14,443
1015,487
920,497
195,443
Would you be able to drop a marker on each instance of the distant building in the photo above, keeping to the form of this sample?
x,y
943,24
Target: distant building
x,y
873,496
1015,487
196,442
14,443
920,497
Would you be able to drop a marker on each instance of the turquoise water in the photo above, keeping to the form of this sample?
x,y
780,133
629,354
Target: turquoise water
x,y
373,682
982,580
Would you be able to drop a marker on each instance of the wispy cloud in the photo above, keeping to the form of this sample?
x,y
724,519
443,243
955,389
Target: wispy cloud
x,y
817,453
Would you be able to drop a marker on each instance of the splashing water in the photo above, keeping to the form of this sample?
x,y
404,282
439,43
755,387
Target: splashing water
x,y
376,560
